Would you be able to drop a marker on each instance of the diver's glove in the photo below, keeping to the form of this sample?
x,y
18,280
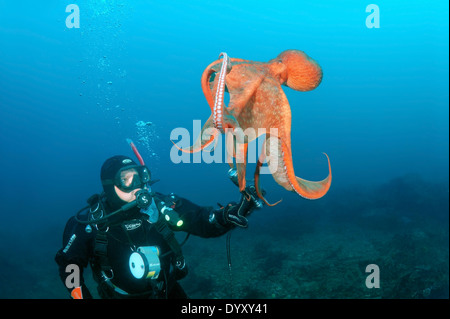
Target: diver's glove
x,y
250,193
236,213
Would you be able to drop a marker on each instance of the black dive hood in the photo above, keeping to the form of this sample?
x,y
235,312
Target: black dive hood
x,y
145,201
144,198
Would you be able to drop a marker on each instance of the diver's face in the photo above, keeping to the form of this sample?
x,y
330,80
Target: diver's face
x,y
126,178
126,197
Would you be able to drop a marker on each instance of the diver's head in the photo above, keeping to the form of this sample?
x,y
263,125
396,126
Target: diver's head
x,y
121,178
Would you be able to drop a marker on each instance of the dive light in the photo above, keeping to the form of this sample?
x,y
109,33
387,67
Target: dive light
x,y
171,216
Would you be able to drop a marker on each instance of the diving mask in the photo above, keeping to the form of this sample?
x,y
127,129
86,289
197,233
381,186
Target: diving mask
x,y
130,178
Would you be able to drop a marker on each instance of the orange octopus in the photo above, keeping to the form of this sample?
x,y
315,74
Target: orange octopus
x,y
257,101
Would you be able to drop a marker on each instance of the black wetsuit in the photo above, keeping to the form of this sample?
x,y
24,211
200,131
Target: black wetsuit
x,y
123,237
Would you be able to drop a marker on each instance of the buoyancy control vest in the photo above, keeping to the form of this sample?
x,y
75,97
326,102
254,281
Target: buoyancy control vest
x,y
142,263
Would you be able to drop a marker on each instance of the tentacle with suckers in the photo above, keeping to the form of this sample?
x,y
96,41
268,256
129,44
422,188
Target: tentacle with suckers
x,y
210,70
285,175
216,120
261,159
279,161
208,135
218,110
219,115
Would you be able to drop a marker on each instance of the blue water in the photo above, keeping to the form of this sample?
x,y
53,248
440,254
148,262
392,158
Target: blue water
x,y
69,98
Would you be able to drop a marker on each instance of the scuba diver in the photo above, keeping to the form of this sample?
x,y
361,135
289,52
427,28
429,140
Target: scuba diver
x,y
126,234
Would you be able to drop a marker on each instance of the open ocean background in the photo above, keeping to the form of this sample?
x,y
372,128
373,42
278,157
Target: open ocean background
x,y
70,97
